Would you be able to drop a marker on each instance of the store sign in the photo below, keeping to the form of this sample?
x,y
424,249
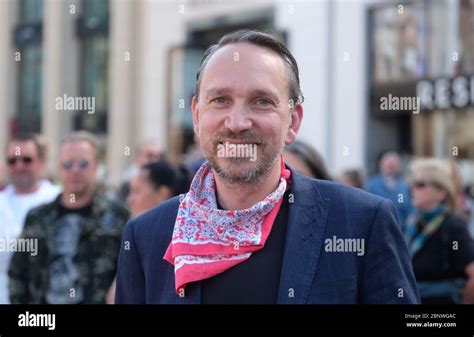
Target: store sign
x,y
445,93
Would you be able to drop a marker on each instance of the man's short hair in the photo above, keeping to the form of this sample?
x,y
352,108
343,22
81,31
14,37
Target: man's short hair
x,y
29,137
82,136
261,39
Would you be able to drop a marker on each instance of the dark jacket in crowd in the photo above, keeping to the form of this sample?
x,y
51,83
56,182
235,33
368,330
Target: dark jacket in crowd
x,y
443,259
76,254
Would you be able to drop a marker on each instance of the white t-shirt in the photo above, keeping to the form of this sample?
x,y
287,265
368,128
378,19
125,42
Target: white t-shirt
x,y
13,211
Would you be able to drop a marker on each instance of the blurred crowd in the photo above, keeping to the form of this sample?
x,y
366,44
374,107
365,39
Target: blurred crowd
x,y
60,238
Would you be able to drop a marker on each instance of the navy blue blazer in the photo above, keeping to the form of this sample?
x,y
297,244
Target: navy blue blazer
x,y
314,269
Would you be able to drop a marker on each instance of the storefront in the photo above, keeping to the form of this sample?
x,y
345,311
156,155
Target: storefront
x,y
423,50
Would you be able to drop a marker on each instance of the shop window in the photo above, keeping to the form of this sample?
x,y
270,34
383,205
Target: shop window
x,y
92,29
27,40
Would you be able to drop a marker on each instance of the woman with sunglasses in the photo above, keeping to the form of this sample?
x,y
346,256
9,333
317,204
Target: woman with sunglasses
x,y
437,239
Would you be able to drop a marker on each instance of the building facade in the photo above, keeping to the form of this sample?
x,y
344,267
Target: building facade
x,y
139,58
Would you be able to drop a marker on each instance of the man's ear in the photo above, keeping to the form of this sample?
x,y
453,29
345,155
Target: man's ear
x,y
195,110
296,115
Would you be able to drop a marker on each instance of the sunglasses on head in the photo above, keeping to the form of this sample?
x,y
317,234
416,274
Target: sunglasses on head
x,y
69,164
26,160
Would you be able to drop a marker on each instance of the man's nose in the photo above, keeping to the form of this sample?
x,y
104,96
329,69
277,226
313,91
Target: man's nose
x,y
19,165
238,119
75,169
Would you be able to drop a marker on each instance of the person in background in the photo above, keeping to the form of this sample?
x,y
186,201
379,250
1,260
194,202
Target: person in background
x,y
25,163
78,236
464,210
351,178
390,184
148,152
193,159
305,159
153,184
437,238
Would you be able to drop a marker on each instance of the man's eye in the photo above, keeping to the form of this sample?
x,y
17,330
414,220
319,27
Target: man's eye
x,y
220,100
263,101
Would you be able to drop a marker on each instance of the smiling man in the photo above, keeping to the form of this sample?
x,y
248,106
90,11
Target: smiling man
x,y
251,230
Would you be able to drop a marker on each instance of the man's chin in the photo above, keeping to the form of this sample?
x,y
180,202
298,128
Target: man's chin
x,y
239,172
23,183
78,191
238,162
234,165
237,178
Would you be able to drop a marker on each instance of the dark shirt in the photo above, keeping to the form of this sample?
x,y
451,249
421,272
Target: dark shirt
x,y
64,270
85,211
256,280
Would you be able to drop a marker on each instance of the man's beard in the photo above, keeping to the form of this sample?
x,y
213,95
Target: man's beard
x,y
242,170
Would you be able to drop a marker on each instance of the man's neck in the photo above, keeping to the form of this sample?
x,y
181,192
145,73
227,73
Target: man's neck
x,y
34,188
234,197
73,201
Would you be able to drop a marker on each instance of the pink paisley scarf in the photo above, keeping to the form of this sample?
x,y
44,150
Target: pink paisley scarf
x,y
207,241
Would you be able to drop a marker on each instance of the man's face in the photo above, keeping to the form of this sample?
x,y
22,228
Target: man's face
x,y
148,154
244,100
24,164
390,165
78,167
143,196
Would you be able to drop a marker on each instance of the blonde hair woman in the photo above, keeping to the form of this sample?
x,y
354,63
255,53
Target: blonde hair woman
x,y
438,239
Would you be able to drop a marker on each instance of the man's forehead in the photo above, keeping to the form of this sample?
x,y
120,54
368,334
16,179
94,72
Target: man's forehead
x,y
243,67
70,148
245,54
24,146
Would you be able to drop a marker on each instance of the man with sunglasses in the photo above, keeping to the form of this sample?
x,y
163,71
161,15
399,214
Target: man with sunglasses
x,y
25,163
78,236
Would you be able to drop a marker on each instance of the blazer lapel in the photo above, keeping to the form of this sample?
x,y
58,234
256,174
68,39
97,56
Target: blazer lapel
x,y
304,239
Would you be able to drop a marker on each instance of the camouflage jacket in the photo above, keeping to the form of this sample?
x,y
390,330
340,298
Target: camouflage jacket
x,y
92,263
